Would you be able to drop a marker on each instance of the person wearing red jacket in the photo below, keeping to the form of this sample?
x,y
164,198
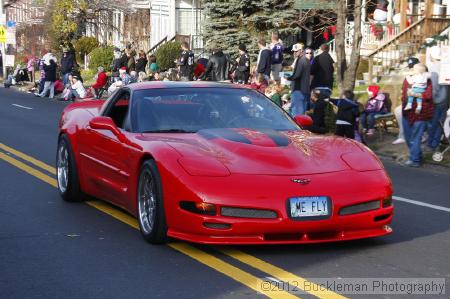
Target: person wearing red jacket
x,y
415,121
101,80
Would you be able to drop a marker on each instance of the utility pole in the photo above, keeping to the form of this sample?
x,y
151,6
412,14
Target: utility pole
x,y
3,45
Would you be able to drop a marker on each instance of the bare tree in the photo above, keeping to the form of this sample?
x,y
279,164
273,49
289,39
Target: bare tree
x,y
344,10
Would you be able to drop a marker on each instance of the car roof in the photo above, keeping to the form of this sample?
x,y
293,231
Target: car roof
x,y
178,84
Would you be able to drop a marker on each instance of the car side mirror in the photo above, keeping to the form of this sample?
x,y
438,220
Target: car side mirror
x,y
106,123
303,121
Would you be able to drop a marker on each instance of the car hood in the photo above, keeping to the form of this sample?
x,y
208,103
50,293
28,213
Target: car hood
x,y
265,152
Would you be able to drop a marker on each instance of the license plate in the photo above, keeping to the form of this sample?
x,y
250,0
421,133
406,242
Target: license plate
x,y
311,206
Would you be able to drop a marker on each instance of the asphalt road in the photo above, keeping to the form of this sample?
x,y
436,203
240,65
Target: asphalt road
x,y
53,249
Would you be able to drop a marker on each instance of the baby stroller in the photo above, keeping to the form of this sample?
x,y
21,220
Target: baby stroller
x,y
439,155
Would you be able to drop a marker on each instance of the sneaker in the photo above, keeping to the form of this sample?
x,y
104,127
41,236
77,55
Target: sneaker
x,y
370,132
408,107
410,163
399,141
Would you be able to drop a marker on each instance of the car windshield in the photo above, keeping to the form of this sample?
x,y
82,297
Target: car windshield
x,y
188,110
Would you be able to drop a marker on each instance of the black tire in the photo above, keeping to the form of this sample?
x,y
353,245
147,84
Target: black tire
x,y
68,183
150,206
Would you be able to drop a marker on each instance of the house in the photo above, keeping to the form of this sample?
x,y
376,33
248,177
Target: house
x,y
171,18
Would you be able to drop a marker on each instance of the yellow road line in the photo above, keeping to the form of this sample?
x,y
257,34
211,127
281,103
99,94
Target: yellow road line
x,y
25,157
110,210
232,271
36,173
278,273
209,260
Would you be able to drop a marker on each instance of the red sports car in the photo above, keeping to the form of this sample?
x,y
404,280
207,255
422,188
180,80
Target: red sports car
x,y
220,164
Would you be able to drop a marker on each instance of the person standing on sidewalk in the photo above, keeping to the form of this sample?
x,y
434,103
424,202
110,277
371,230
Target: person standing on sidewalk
x,y
277,57
50,78
415,121
243,65
68,63
322,71
218,65
399,109
301,81
264,63
186,63
440,100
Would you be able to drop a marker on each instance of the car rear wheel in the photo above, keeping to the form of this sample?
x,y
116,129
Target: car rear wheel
x,y
68,182
152,221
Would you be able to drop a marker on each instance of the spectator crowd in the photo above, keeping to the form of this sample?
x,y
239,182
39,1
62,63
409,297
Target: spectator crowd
x,y
301,86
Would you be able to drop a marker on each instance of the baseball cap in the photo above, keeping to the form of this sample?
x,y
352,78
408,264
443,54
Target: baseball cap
x,y
297,47
412,61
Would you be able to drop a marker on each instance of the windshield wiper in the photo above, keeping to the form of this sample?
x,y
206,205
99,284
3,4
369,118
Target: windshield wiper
x,y
169,131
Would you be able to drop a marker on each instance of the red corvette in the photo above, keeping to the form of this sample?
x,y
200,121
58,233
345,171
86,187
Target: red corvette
x,y
220,164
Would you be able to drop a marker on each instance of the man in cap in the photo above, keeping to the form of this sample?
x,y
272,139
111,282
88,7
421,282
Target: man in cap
x,y
398,110
415,121
300,86
243,65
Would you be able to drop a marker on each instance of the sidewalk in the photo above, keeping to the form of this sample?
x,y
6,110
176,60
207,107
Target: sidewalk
x,y
383,147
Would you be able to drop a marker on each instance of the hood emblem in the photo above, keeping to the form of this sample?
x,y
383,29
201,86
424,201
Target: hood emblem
x,y
301,181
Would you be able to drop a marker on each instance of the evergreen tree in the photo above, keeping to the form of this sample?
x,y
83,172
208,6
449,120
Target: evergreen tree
x,y
223,26
230,23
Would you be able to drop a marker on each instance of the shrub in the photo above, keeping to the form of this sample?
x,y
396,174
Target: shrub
x,y
362,68
166,54
101,57
85,45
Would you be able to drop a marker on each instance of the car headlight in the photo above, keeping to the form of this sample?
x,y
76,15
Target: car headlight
x,y
203,166
362,161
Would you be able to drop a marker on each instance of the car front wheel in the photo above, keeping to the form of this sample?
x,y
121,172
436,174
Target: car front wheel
x,y
68,182
152,221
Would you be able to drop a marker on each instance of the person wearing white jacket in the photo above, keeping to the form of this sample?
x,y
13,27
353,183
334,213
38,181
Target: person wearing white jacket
x,y
77,90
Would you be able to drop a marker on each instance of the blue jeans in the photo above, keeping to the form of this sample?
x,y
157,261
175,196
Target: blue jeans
x,y
418,100
435,129
368,119
298,103
413,136
65,79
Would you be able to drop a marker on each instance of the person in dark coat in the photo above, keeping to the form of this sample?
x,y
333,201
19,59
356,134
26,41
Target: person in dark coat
x,y
264,63
322,70
218,66
141,63
318,112
68,63
300,85
116,64
243,66
186,63
50,78
131,63
348,111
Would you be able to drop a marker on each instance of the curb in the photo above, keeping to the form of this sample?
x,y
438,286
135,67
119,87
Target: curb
x,y
427,162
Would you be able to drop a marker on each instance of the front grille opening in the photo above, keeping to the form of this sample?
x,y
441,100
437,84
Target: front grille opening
x,y
382,217
360,208
214,225
322,236
247,213
282,237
